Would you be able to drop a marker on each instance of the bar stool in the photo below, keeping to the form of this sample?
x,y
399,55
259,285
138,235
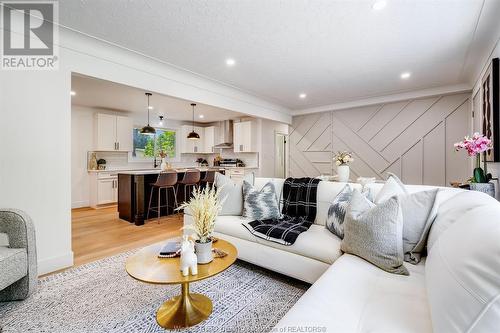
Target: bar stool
x,y
167,181
190,181
208,179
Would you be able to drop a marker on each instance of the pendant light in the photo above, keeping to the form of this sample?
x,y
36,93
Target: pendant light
x,y
148,130
193,135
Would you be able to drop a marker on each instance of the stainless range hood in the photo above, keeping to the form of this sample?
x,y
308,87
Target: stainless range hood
x,y
226,135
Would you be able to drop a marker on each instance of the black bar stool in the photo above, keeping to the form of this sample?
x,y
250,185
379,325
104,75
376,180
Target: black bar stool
x,y
167,181
190,181
208,179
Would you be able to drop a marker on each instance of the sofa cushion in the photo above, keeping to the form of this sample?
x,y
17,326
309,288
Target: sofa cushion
x,y
231,193
327,191
260,204
13,265
463,270
355,296
316,243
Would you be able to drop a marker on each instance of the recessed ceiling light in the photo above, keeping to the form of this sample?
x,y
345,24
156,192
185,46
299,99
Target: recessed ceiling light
x,y
230,62
405,75
201,116
73,93
302,96
150,107
380,4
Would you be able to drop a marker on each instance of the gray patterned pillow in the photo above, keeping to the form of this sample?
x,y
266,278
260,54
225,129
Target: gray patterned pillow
x,y
375,233
338,208
260,205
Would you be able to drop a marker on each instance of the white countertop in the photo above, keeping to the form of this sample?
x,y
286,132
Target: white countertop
x,y
118,170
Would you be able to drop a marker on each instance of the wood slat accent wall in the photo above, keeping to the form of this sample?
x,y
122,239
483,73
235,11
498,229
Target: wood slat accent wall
x,y
413,139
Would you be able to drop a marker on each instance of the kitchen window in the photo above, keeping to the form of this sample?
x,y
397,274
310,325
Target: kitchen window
x,y
148,146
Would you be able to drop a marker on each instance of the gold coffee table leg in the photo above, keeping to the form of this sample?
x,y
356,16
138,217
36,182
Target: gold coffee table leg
x,y
184,310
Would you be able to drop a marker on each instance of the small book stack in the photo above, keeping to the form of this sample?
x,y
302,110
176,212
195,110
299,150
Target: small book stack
x,y
170,249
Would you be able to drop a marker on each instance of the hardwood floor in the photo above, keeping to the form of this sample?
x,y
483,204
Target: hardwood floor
x,y
99,233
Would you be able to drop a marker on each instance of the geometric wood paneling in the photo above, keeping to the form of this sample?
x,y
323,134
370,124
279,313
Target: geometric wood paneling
x,y
413,139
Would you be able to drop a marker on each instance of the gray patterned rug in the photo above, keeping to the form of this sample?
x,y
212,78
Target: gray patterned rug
x,y
101,297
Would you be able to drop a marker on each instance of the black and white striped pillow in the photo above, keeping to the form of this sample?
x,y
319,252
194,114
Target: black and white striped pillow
x,y
260,205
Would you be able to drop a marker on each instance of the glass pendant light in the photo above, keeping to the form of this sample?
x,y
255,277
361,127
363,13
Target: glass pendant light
x,y
193,135
148,130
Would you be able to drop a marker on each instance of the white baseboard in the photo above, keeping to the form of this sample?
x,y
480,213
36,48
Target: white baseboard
x,y
80,204
55,263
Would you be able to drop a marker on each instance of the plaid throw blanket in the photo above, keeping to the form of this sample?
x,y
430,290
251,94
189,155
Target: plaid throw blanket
x,y
299,212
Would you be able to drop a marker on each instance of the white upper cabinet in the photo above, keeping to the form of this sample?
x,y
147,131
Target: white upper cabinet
x,y
244,137
113,132
192,146
209,139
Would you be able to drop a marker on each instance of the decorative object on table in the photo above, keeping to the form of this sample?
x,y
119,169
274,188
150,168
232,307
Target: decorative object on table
x,y
170,249
93,161
201,162
342,160
476,145
163,155
148,130
101,164
189,262
218,253
298,213
260,205
490,91
204,206
193,135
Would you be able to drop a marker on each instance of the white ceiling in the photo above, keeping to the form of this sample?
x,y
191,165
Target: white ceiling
x,y
97,93
335,51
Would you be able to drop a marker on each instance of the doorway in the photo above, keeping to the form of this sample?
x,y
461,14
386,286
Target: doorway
x,y
280,164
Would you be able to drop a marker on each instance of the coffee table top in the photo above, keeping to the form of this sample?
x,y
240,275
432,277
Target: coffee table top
x,y
145,265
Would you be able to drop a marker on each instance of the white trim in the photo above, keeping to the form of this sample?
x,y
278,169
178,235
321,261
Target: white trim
x,y
80,204
55,263
444,90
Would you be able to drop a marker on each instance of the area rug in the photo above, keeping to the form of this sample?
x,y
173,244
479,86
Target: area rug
x,y
102,297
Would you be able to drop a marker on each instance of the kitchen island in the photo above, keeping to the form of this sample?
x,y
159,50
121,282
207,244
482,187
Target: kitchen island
x,y
134,189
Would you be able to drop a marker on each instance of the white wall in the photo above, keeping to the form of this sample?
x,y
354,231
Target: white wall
x,y
36,165
413,139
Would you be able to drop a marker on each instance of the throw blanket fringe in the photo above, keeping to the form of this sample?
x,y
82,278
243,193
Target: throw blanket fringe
x,y
299,212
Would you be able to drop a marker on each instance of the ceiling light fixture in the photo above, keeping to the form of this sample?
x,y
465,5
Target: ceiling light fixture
x,y
230,62
380,4
302,96
148,130
150,108
405,75
201,116
72,93
161,121
193,135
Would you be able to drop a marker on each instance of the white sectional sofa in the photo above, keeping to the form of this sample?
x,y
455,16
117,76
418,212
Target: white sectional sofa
x,y
456,288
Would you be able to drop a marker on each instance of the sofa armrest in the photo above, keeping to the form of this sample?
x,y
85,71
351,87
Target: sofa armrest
x,y
21,231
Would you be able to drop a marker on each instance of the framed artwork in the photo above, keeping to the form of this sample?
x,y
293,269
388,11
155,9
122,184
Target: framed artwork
x,y
490,108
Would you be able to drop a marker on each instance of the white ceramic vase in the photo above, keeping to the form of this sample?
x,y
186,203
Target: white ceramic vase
x,y
343,173
203,252
163,165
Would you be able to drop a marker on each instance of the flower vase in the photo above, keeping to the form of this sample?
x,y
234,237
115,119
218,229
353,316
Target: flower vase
x,y
203,252
163,165
343,173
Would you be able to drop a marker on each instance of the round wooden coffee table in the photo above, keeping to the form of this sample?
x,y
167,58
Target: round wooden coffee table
x,y
187,309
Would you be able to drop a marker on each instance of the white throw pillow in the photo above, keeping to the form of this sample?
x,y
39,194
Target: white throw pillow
x,y
232,193
393,186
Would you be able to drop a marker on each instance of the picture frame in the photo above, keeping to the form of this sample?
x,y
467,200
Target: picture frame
x,y
490,108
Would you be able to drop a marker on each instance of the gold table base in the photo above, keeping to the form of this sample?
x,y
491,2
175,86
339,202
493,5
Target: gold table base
x,y
184,310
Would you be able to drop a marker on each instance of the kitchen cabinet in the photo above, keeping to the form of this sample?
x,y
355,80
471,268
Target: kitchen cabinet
x,y
244,137
113,133
237,175
209,139
103,188
192,146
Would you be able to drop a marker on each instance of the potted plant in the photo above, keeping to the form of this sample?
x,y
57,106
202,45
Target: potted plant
x,y
474,146
342,160
204,206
